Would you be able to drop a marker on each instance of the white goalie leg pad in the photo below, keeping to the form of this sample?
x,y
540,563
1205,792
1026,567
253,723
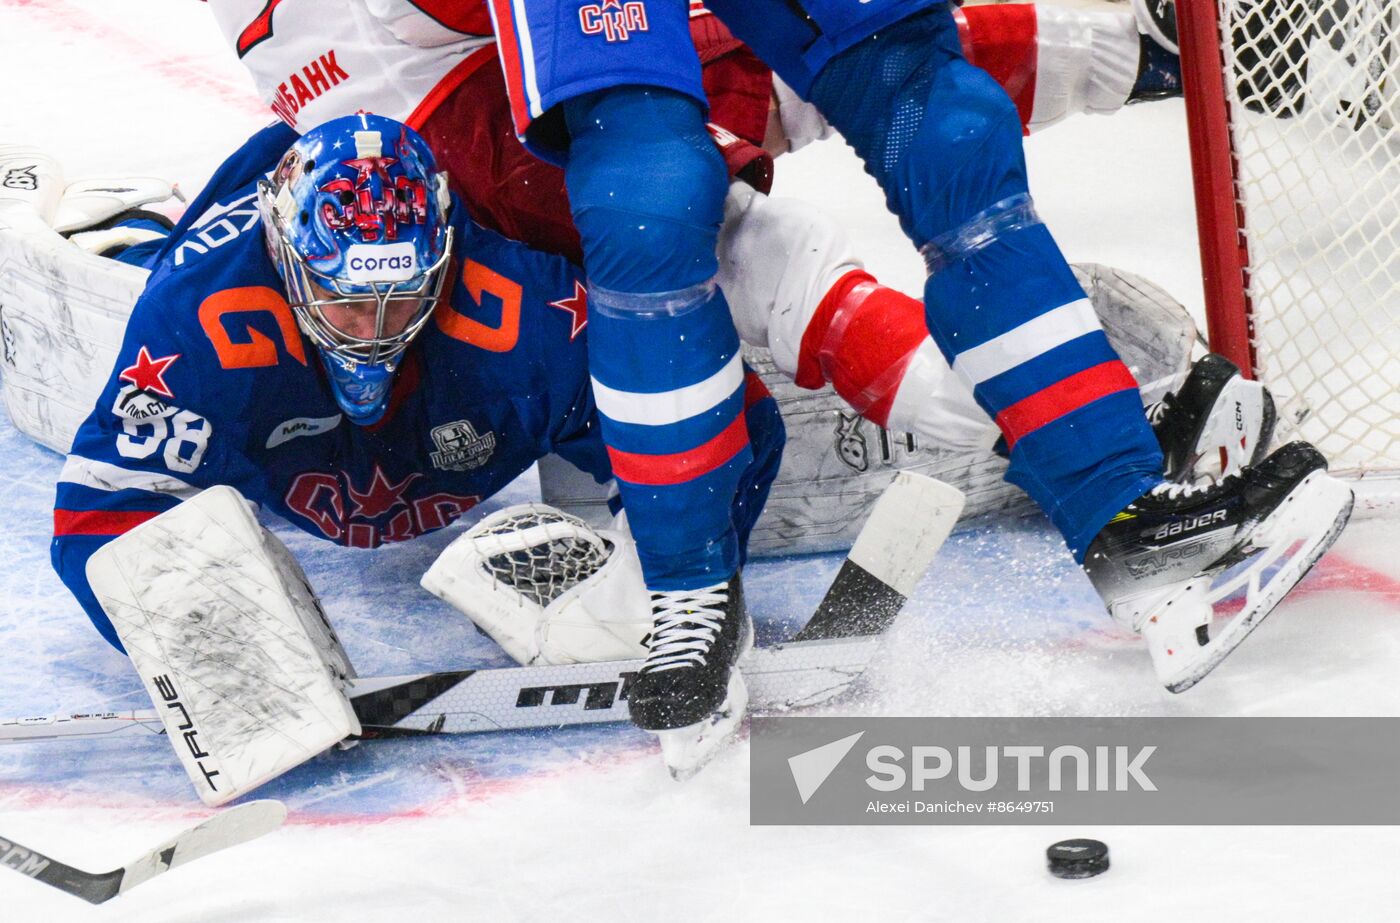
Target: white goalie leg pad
x,y
64,312
547,587
229,640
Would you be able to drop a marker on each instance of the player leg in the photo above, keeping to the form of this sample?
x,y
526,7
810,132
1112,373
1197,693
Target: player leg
x,y
1052,61
797,287
944,142
1004,310
618,100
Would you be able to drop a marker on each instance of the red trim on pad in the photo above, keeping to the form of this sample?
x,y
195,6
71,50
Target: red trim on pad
x,y
754,390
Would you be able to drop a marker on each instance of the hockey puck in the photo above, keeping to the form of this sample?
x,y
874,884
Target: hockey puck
x,y
1077,858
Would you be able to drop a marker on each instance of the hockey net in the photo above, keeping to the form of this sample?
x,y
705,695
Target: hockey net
x,y
1294,113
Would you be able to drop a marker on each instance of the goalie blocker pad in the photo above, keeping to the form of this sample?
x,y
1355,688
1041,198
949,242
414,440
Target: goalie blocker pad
x,y
229,640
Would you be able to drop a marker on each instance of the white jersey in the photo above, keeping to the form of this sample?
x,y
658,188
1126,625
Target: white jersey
x,y
315,61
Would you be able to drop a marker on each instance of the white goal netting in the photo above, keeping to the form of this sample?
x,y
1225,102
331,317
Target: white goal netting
x,y
1313,92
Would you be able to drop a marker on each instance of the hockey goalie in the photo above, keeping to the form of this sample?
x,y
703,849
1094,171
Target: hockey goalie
x,y
816,313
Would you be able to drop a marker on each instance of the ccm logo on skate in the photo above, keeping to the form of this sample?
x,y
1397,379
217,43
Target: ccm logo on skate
x,y
186,728
596,696
1182,526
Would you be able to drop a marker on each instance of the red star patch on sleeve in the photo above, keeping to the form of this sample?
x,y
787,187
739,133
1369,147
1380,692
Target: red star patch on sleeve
x,y
577,307
148,374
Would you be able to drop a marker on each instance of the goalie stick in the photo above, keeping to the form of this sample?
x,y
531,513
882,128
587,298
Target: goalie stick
x,y
904,531
472,701
227,828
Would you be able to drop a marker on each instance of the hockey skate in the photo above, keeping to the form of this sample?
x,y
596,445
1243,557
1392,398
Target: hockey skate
x,y
689,693
1157,20
1195,569
1217,423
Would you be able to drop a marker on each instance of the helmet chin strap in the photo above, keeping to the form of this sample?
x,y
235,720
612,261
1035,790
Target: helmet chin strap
x,y
361,391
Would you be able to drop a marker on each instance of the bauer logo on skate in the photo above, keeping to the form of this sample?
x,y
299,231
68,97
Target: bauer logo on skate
x,y
613,19
1074,770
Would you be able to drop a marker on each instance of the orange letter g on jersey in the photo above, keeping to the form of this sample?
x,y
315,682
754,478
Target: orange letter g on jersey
x,y
480,282
256,350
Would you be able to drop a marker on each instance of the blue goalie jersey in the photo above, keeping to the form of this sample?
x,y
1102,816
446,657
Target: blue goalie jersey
x,y
215,384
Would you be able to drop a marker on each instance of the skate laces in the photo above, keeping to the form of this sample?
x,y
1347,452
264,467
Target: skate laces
x,y
1171,490
1157,411
687,623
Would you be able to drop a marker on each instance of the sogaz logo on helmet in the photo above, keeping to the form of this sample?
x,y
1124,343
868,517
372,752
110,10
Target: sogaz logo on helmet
x,y
380,262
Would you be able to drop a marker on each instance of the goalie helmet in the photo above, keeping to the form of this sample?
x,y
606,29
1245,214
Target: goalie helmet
x,y
356,218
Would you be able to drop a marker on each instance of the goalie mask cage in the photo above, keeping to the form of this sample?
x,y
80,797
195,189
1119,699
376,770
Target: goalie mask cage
x,y
1293,108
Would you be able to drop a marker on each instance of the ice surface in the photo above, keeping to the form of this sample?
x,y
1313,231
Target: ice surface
x,y
585,823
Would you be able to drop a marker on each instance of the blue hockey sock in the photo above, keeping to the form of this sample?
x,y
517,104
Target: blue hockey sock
x,y
647,189
944,141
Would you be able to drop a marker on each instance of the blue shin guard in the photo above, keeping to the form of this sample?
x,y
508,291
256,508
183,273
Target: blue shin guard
x,y
647,188
944,141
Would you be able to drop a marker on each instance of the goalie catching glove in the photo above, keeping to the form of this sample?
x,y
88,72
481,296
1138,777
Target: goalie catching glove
x,y
547,587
